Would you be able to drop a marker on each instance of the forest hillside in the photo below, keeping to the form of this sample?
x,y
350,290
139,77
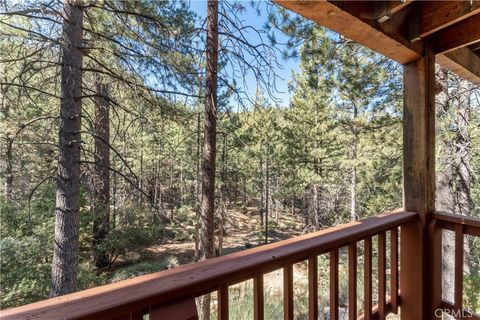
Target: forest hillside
x,y
140,135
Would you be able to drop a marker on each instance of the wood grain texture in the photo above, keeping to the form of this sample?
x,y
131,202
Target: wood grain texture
x,y
418,183
460,34
367,278
313,288
352,281
334,312
288,292
382,275
364,32
223,302
180,310
436,15
394,269
463,62
459,259
258,296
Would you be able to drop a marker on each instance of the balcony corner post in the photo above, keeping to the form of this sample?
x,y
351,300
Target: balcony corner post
x,y
419,187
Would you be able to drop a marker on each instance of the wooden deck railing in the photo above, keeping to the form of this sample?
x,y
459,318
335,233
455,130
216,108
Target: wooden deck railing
x,y
462,226
171,294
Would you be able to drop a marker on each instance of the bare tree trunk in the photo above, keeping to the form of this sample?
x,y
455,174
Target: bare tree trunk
x,y
453,185
444,200
65,249
8,171
114,200
197,194
315,206
267,194
223,191
207,238
463,177
210,140
101,180
353,193
262,189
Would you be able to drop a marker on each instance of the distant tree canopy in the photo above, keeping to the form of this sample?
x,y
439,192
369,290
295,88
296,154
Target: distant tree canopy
x,y
331,154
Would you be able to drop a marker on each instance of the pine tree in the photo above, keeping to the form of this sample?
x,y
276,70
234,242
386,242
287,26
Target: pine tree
x,y
65,251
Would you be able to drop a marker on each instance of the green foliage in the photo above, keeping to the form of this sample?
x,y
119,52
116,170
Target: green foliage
x,y
344,114
121,241
25,270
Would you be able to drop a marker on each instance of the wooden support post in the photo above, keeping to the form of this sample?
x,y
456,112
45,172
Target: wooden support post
x,y
419,185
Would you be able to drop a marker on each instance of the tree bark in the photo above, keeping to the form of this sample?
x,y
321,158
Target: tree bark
x,y
101,176
210,136
207,235
454,182
8,171
444,200
353,194
198,195
65,250
267,193
463,178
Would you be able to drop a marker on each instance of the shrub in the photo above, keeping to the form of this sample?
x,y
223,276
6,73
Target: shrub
x,y
144,268
24,271
121,241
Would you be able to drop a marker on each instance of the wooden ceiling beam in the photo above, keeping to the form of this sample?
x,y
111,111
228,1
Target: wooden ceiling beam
x,y
462,62
436,15
459,35
383,10
342,17
358,21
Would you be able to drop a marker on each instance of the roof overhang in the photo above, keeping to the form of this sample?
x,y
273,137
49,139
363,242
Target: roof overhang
x,y
400,30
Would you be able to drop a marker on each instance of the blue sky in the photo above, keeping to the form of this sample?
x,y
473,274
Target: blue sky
x,y
250,17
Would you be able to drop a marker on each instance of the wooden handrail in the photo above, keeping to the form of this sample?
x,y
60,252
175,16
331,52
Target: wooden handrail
x,y
448,221
461,225
193,280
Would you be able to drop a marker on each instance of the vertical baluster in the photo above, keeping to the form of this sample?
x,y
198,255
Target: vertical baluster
x,y
367,281
223,302
130,316
313,288
458,267
334,284
136,315
382,276
258,308
288,292
394,269
352,281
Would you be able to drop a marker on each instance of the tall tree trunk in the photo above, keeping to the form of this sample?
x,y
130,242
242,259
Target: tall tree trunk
x,y
463,178
262,189
207,237
65,249
267,194
223,194
8,171
101,182
197,194
454,182
210,134
353,193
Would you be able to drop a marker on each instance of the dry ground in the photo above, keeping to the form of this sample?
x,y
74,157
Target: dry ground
x,y
242,231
